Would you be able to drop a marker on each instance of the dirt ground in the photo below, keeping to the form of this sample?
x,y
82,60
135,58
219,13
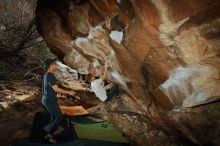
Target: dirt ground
x,y
15,122
21,102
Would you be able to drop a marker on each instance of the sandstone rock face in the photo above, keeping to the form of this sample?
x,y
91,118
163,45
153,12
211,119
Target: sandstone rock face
x,y
163,54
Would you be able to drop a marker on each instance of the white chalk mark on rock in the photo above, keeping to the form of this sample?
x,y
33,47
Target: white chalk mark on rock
x,y
117,36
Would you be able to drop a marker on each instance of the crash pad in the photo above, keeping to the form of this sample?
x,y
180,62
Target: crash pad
x,y
87,119
78,143
73,110
37,133
69,137
98,131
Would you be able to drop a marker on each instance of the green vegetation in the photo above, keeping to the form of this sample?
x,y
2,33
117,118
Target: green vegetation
x,y
42,47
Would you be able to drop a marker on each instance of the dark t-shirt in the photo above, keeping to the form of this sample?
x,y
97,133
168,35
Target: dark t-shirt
x,y
48,81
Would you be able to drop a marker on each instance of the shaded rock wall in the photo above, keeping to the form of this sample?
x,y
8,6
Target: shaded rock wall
x,y
163,54
17,29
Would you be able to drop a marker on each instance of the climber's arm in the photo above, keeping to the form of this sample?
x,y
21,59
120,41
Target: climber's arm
x,y
105,75
57,89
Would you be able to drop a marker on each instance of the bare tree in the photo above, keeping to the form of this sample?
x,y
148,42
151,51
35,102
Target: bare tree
x,y
17,27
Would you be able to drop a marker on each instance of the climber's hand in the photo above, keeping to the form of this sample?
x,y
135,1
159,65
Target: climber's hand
x,y
71,93
89,90
106,67
83,89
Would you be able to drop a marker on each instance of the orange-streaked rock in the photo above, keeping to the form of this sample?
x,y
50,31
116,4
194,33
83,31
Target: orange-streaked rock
x,y
167,60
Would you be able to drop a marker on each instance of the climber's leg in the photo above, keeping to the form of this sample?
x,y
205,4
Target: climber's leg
x,y
114,91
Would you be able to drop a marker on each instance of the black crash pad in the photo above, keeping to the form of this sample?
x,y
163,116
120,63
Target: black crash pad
x,y
40,144
37,134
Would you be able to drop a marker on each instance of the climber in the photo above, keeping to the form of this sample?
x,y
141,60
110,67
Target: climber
x,y
104,93
81,77
49,99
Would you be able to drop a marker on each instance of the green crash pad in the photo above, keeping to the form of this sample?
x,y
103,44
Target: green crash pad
x,y
98,131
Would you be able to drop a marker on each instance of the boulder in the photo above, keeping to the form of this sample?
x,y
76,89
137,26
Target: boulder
x,y
163,54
